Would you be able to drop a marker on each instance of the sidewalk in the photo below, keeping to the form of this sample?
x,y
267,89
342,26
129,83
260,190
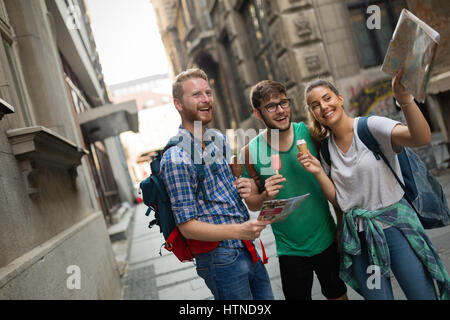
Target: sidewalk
x,y
150,276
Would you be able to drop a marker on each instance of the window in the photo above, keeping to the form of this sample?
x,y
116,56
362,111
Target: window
x,y
243,109
80,99
205,10
187,14
373,43
11,85
3,15
256,24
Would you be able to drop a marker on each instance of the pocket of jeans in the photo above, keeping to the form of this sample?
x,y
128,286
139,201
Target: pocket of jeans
x,y
204,274
226,258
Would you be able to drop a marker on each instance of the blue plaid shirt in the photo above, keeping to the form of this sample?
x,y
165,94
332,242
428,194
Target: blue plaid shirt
x,y
224,205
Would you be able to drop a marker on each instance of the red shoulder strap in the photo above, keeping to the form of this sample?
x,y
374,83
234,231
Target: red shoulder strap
x,y
252,249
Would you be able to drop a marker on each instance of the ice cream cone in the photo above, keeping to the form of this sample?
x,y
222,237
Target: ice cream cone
x,y
302,146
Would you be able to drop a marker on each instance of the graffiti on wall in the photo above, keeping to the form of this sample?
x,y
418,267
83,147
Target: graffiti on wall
x,y
373,98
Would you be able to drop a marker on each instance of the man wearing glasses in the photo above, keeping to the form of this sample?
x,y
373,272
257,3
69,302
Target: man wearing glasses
x,y
305,241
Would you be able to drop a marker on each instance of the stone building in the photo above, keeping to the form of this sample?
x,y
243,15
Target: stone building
x,y
158,120
240,42
54,241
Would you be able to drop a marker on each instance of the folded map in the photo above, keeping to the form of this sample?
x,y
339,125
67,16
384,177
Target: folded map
x,y
412,48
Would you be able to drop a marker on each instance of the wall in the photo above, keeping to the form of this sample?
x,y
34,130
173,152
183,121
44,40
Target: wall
x,y
43,273
42,234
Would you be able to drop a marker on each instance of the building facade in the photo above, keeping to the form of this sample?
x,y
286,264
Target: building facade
x,y
158,120
240,42
54,242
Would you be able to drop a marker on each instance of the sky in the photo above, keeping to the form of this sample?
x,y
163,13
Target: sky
x,y
127,39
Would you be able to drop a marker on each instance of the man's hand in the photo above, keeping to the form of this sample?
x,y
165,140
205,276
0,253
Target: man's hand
x,y
251,229
273,186
244,187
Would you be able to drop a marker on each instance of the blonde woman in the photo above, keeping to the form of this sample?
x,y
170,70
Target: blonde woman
x,y
380,232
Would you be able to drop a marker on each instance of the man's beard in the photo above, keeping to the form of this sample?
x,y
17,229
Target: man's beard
x,y
193,116
272,126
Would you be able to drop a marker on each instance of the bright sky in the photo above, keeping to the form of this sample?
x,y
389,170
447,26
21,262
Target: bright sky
x,y
127,38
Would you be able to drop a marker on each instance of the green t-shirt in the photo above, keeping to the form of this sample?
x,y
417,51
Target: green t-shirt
x,y
310,229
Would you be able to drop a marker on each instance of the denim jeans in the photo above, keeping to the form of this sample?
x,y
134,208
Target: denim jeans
x,y
231,274
409,271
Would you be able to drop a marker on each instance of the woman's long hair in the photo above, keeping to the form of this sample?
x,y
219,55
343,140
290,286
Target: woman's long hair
x,y
318,131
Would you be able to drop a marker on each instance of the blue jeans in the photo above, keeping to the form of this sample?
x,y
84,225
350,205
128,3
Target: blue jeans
x,y
409,271
231,274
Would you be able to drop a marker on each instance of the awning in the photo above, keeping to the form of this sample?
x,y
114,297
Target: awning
x,y
439,83
109,120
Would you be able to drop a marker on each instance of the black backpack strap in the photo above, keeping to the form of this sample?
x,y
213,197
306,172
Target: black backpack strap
x,y
371,143
174,141
155,165
367,138
325,151
201,180
199,168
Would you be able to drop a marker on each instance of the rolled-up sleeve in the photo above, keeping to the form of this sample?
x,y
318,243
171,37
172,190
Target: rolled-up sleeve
x,y
381,129
178,180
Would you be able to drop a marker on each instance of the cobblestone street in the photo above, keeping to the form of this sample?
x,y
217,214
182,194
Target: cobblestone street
x,y
151,276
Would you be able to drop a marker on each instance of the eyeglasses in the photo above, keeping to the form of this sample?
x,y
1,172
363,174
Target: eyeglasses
x,y
283,103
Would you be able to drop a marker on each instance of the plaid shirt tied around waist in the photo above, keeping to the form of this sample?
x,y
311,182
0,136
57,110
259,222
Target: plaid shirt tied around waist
x,y
403,217
224,205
